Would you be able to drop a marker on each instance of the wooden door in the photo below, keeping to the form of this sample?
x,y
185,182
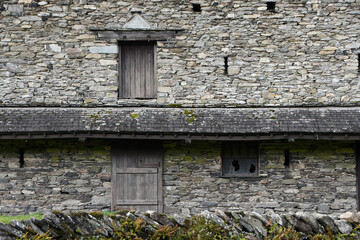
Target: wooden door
x,y
137,78
137,176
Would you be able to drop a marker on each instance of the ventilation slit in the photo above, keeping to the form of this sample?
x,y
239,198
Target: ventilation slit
x,y
196,7
271,6
226,65
21,159
287,158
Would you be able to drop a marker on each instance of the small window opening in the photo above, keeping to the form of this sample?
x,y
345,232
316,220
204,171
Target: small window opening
x,y
196,7
21,159
287,158
236,165
252,168
359,62
226,65
271,6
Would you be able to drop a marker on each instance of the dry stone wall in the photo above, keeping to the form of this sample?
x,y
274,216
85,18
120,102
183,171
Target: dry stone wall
x,y
207,225
303,53
70,175
320,178
55,175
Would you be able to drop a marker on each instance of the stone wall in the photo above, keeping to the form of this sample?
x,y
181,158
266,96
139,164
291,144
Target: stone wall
x,y
56,175
73,175
320,177
207,225
304,53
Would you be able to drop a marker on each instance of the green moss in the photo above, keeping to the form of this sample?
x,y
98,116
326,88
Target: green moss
x,y
97,214
93,116
122,212
78,214
190,115
271,166
57,212
55,158
188,158
185,169
174,105
134,115
345,150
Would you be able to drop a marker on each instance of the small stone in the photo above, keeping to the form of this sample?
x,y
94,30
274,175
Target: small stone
x,y
8,229
104,62
179,219
30,18
233,70
350,217
54,48
323,208
104,49
15,9
343,226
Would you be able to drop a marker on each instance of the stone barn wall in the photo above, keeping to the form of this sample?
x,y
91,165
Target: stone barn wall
x,y
72,175
320,177
303,53
56,175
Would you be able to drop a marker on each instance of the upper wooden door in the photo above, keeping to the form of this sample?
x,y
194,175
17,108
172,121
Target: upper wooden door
x,y
137,68
137,176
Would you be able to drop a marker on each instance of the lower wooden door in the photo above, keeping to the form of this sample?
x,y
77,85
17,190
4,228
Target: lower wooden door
x,y
137,175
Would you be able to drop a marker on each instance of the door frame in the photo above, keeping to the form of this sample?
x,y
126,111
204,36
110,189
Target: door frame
x,y
160,202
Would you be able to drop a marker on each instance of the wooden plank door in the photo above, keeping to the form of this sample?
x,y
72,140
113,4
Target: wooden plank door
x,y
137,176
137,67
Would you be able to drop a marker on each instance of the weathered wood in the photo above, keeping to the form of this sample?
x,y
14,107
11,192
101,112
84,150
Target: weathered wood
x,y
357,157
137,72
137,202
240,158
137,176
136,170
130,35
161,136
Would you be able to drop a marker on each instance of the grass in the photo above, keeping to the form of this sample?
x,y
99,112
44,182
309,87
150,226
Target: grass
x,y
8,219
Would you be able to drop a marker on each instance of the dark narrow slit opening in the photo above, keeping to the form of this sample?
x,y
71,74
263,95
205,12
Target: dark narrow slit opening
x,y
359,62
270,6
196,7
226,65
287,158
21,159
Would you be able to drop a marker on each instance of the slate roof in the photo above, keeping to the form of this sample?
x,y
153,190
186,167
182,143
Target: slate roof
x,y
209,121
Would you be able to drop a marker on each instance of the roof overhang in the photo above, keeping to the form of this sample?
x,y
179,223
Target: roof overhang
x,y
136,34
225,124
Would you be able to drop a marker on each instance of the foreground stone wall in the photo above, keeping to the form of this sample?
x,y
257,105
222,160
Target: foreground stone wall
x,y
207,225
320,177
304,53
56,175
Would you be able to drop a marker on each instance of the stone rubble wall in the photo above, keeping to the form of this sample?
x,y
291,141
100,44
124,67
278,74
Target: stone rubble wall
x,y
70,175
303,54
57,175
250,225
320,178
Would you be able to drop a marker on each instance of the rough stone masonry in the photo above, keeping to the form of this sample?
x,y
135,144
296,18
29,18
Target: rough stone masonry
x,y
229,54
304,53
